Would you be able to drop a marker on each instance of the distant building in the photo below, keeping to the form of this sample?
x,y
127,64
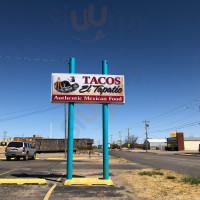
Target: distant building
x,y
176,143
179,143
139,146
36,136
191,143
157,144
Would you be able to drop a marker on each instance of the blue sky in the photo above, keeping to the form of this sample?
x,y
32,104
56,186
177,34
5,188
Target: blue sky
x,y
155,44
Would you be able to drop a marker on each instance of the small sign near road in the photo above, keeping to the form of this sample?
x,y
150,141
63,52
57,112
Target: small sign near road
x,y
119,142
173,134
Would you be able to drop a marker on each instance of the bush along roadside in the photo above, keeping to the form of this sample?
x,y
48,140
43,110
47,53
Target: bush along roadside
x,y
191,180
186,179
170,177
150,173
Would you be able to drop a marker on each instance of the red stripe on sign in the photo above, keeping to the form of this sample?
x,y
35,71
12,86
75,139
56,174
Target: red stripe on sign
x,y
87,98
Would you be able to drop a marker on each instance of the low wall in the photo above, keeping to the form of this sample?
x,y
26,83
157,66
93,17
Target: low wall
x,y
56,145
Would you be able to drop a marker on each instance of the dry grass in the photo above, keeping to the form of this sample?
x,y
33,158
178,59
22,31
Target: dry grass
x,y
159,187
2,149
113,160
118,160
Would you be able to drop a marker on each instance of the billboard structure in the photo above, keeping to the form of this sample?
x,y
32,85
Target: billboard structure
x,y
88,88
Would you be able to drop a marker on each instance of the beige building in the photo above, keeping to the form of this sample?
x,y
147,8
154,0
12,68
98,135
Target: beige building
x,y
191,143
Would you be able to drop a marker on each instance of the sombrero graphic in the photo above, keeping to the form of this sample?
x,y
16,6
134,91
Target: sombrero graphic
x,y
66,86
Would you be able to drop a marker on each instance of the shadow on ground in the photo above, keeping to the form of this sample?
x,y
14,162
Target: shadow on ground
x,y
49,177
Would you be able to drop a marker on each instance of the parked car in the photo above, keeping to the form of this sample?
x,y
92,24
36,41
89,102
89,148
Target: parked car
x,y
20,149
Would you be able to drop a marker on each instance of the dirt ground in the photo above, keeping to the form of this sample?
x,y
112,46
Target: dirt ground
x,y
158,186
2,149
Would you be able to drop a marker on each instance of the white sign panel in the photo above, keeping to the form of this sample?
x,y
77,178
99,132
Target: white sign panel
x,y
87,88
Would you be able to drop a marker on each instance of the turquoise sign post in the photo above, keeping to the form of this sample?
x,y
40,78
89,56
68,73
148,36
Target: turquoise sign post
x,y
105,131
70,128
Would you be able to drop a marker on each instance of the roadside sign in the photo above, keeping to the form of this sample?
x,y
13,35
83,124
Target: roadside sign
x,y
87,88
119,142
173,134
92,89
129,145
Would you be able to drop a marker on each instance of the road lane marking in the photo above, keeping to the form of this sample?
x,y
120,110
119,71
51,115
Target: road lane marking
x,y
8,172
48,194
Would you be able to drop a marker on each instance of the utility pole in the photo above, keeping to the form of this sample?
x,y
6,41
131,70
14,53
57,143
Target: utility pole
x,y
193,108
120,136
65,131
99,147
50,134
128,136
146,125
4,135
111,139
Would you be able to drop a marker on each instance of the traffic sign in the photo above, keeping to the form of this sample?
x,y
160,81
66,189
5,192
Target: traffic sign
x,y
119,142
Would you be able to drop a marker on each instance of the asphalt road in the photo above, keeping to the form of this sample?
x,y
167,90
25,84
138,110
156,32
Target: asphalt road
x,y
54,171
188,165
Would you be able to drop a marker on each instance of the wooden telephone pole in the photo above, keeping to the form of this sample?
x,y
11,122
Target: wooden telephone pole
x,y
146,126
65,132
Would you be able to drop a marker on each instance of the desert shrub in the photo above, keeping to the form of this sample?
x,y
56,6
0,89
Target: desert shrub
x,y
191,180
150,173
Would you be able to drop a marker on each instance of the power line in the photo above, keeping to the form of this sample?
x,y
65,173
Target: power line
x,y
34,108
34,59
171,111
179,119
177,127
182,109
29,114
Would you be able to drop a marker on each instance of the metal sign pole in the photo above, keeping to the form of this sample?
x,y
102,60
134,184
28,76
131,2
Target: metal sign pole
x,y
65,131
105,132
70,128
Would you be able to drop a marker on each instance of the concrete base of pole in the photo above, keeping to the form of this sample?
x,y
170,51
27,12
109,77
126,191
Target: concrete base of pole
x,y
88,181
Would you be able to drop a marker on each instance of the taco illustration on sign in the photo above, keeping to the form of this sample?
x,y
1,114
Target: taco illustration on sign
x,y
66,86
